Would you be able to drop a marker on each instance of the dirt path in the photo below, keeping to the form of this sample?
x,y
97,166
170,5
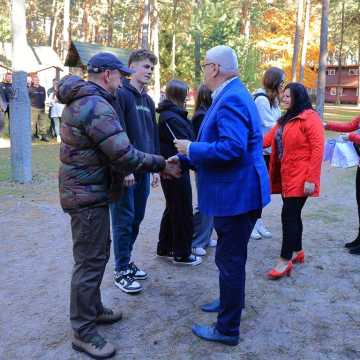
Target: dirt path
x,y
313,315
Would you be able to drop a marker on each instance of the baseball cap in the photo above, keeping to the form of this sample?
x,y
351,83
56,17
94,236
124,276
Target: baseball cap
x,y
107,61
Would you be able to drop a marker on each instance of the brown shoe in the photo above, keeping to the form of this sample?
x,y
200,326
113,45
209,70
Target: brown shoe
x,y
97,347
108,316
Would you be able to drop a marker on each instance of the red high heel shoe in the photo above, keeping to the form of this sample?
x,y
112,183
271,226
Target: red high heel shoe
x,y
299,258
273,274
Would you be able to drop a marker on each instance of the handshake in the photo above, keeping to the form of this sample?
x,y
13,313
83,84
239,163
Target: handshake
x,y
172,169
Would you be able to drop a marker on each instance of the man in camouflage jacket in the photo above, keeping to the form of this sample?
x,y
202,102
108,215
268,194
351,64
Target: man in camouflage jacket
x,y
94,147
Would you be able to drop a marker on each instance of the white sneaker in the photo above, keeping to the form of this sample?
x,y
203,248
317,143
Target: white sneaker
x,y
255,235
262,230
198,251
126,282
58,139
212,243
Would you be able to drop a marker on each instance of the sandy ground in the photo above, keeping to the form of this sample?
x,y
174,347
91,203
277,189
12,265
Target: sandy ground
x,y
313,315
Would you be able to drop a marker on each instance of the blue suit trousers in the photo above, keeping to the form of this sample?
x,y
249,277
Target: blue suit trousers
x,y
231,254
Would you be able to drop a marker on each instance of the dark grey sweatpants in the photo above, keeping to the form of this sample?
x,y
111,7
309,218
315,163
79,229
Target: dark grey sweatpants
x,y
91,250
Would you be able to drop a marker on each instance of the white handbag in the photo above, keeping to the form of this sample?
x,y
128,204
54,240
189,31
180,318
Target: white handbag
x,y
343,154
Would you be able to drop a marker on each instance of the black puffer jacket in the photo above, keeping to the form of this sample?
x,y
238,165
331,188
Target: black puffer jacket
x,y
94,146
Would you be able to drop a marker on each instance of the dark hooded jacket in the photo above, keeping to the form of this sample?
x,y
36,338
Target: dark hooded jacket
x,y
198,118
94,147
175,119
137,114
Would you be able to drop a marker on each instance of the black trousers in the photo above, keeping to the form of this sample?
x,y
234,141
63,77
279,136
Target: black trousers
x,y
176,229
91,250
292,225
358,193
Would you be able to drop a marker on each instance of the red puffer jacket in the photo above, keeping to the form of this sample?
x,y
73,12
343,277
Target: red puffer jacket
x,y
352,125
303,146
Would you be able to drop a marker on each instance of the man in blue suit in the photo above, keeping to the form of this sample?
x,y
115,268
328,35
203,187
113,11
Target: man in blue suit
x,y
233,183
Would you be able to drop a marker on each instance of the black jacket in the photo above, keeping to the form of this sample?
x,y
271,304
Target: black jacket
x,y
5,96
175,118
137,115
37,96
198,118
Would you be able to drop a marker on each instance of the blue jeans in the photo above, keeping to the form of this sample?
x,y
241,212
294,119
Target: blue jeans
x,y
203,228
126,216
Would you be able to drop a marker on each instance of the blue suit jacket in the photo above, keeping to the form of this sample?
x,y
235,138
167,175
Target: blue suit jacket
x,y
232,175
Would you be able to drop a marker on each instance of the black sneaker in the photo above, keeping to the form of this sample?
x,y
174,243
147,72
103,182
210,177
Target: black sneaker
x,y
353,244
355,250
137,273
165,254
191,260
45,138
126,282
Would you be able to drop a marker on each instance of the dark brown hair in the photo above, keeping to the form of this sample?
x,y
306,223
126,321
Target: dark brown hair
x,y
272,80
142,54
203,98
300,101
176,91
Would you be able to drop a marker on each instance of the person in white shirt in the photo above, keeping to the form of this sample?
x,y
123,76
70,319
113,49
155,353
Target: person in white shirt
x,y
56,109
267,100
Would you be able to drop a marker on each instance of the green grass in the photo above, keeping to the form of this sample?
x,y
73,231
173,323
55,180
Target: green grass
x,y
340,112
45,161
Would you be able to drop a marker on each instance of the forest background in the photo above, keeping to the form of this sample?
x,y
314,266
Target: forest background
x,y
263,32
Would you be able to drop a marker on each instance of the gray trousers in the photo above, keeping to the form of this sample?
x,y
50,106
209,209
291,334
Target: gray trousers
x,y
203,228
91,250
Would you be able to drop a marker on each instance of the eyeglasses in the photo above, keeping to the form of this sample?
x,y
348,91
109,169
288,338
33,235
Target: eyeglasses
x,y
203,66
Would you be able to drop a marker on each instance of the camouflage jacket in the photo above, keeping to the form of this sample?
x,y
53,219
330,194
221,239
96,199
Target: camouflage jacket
x,y
94,147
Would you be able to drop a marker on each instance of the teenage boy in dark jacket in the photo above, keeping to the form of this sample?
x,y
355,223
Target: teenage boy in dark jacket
x,y
137,110
94,145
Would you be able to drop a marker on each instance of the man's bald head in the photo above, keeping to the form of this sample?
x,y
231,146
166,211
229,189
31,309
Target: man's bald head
x,y
225,57
220,65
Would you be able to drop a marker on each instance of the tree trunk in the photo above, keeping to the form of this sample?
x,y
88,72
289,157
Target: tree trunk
x,y
297,38
54,25
53,10
305,40
155,31
320,94
66,29
197,41
246,15
145,25
339,71
173,43
110,22
20,129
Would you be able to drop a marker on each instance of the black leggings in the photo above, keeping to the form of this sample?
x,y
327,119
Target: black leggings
x,y
358,192
291,225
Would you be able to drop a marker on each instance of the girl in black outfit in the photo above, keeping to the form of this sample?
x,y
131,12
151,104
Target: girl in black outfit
x,y
176,229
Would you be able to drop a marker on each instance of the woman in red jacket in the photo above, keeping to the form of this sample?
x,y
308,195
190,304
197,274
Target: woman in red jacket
x,y
297,144
353,125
